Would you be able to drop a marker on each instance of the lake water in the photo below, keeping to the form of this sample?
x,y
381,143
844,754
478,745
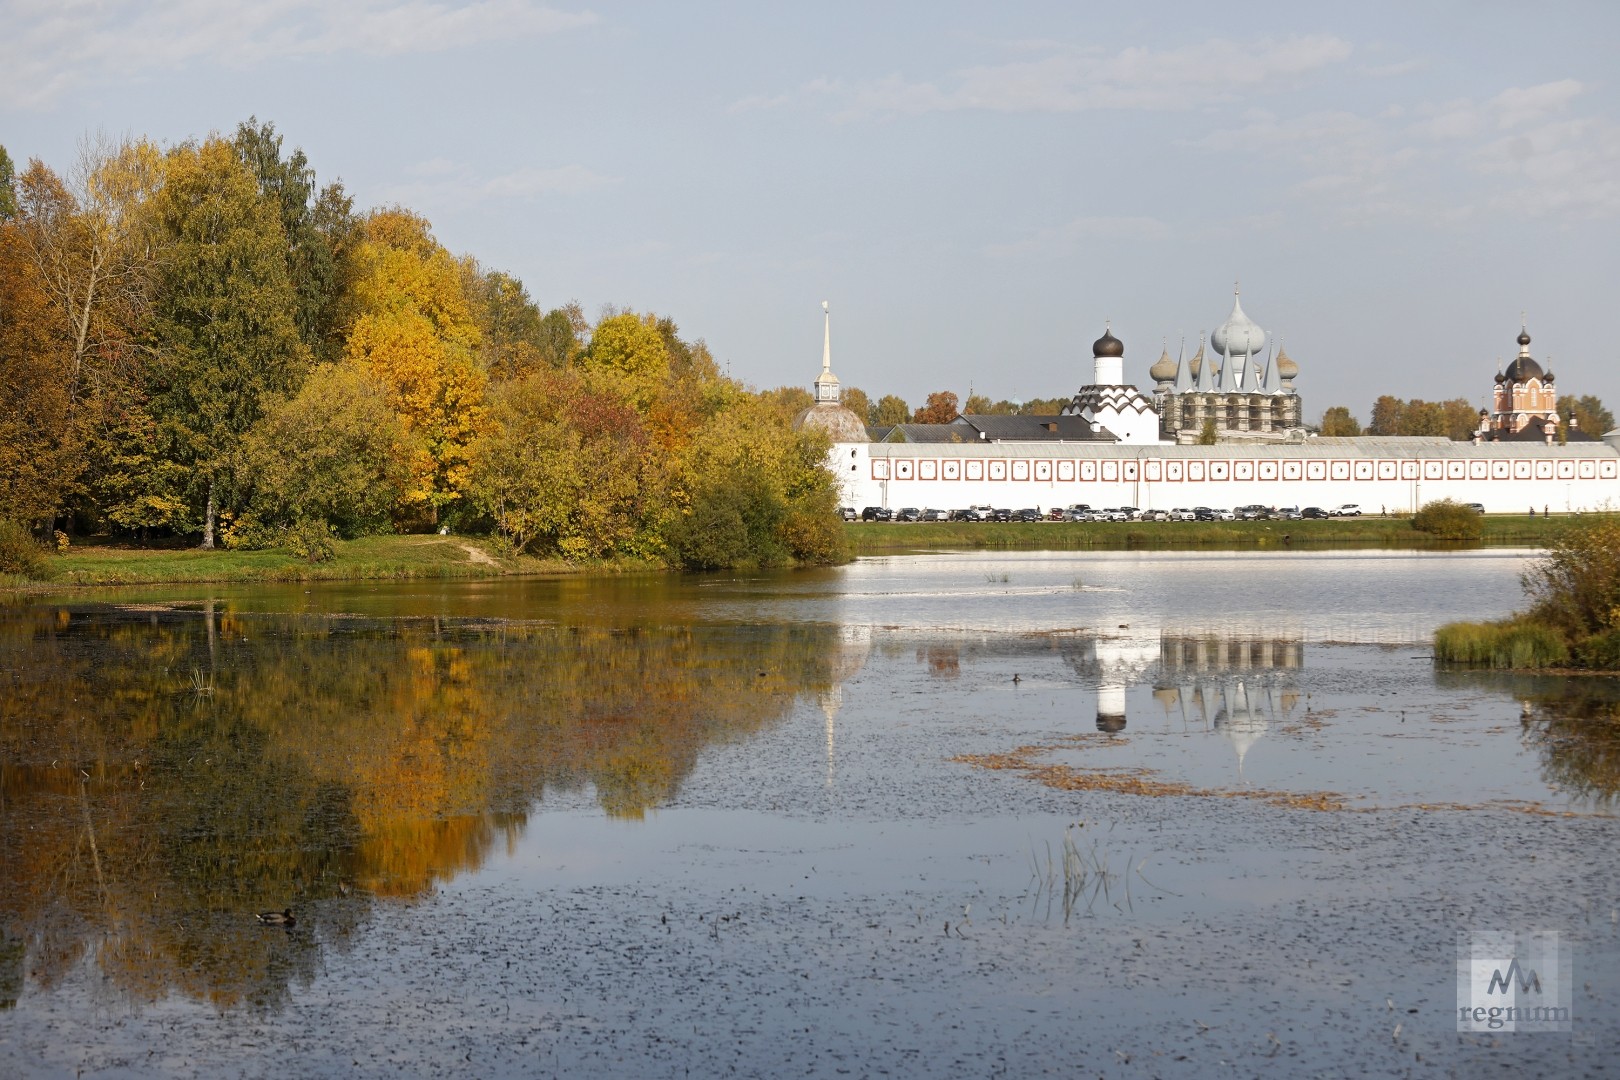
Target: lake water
x,y
949,814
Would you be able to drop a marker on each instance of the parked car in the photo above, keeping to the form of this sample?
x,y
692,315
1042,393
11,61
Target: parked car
x,y
848,513
1286,513
1224,515
970,514
1253,512
1478,508
1055,514
877,513
1155,515
935,515
908,513
1347,510
1028,514
1314,512
1000,515
1205,513
1183,513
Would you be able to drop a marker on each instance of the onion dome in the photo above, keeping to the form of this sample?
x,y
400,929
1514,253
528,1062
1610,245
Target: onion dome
x,y
1163,369
1500,378
1523,369
1108,345
1286,368
1547,377
1238,335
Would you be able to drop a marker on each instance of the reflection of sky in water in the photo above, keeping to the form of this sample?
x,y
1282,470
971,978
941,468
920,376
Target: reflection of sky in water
x,y
1379,596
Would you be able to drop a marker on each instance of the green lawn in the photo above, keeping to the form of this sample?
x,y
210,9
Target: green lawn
x,y
368,558
874,537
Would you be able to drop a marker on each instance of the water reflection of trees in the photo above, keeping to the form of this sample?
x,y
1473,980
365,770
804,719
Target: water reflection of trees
x,y
164,773
1571,722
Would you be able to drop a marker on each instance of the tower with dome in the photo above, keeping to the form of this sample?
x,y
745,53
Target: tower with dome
x,y
1524,403
1247,396
829,413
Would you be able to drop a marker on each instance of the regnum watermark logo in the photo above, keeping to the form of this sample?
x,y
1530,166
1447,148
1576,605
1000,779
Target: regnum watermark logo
x,y
1514,982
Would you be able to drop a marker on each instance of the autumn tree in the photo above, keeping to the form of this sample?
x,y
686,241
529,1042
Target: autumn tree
x,y
856,401
939,409
39,454
223,332
91,244
789,401
336,456
1594,419
630,344
1337,422
891,410
977,405
8,187
562,334
319,228
564,468
1387,415
416,332
1043,406
511,330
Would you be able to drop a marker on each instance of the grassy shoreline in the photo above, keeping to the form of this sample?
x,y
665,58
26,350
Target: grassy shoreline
x,y
1501,530
370,558
398,558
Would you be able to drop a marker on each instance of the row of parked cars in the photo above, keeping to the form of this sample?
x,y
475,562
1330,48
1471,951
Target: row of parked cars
x,y
1084,512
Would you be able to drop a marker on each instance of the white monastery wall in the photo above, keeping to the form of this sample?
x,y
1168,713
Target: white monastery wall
x,y
1397,474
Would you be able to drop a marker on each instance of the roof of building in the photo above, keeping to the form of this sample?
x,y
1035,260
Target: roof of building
x,y
1368,447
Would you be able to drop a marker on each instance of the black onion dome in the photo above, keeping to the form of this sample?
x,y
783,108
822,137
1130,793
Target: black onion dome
x,y
1524,338
1108,345
1523,369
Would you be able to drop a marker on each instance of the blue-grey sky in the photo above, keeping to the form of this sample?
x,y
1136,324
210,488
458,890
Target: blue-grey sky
x,y
974,187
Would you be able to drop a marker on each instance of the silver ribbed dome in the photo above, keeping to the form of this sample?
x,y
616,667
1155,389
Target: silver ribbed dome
x,y
1238,335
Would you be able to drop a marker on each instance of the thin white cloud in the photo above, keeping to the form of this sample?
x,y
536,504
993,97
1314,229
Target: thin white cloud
x,y
1521,151
1069,78
51,46
438,181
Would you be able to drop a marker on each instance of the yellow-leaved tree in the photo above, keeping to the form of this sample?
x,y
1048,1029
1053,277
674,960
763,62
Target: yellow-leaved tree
x,y
416,332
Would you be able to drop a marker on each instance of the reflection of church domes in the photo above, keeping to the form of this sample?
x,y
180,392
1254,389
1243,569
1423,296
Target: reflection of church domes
x,y
1238,335
1240,723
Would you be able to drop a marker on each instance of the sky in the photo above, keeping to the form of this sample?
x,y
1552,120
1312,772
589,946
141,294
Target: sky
x,y
976,189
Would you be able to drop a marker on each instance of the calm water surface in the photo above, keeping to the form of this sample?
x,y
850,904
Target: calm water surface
x,y
812,822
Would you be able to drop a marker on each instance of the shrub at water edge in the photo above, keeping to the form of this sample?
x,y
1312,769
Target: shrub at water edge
x,y
1574,616
1448,520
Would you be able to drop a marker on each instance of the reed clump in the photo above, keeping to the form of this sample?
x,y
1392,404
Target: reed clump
x,y
1574,614
1511,643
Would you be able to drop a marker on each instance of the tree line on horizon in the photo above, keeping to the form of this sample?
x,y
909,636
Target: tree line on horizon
x,y
1455,419
203,342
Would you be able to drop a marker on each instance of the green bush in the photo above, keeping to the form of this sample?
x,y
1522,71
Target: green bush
x,y
1516,643
1576,585
1448,520
20,553
1600,652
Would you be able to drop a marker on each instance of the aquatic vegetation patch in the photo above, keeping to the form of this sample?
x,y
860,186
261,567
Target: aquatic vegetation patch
x,y
1134,781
